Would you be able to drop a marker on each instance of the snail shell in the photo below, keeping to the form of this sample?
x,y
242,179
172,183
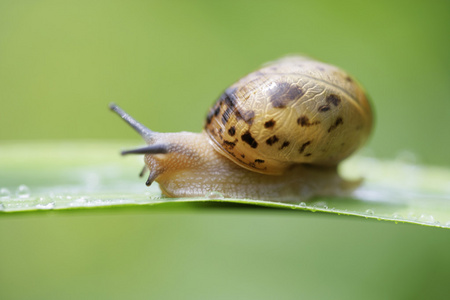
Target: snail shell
x,y
295,110
276,134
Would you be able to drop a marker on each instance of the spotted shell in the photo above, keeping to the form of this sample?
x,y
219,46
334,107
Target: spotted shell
x,y
294,110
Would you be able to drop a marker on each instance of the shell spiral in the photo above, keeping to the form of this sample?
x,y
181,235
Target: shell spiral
x,y
293,111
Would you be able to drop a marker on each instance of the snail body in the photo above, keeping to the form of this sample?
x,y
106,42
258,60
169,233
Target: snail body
x,y
278,134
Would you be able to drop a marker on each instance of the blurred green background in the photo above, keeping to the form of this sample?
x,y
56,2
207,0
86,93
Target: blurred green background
x,y
165,62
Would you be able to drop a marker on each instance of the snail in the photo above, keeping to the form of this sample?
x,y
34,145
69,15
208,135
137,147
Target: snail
x,y
277,134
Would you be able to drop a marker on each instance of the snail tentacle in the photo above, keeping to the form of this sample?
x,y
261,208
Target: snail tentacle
x,y
146,133
150,149
143,171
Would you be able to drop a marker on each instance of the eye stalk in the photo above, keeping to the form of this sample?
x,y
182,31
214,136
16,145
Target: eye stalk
x,y
146,133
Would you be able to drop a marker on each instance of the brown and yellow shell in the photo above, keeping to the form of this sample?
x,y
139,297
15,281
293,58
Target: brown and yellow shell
x,y
294,110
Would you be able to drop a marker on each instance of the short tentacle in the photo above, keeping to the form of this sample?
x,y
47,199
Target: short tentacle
x,y
153,175
143,171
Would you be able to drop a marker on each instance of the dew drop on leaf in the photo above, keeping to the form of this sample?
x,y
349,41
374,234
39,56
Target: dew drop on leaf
x,y
4,193
370,212
429,219
215,195
396,216
321,204
23,191
49,205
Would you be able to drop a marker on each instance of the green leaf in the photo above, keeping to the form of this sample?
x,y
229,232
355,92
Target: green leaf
x,y
80,175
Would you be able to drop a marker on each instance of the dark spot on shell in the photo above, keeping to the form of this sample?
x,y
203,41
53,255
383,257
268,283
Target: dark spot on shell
x,y
304,122
334,99
247,137
238,115
285,144
308,154
228,144
217,111
246,116
272,140
220,130
338,122
249,117
324,108
209,118
303,147
260,161
283,93
232,131
243,155
349,79
230,100
269,124
226,115
229,97
294,92
252,165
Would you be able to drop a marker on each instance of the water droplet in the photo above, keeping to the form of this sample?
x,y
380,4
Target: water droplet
x,y
23,191
4,193
429,219
302,204
396,216
214,195
370,212
321,205
411,216
79,202
49,205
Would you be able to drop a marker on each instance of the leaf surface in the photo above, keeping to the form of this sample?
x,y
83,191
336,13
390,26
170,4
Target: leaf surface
x,y
81,175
